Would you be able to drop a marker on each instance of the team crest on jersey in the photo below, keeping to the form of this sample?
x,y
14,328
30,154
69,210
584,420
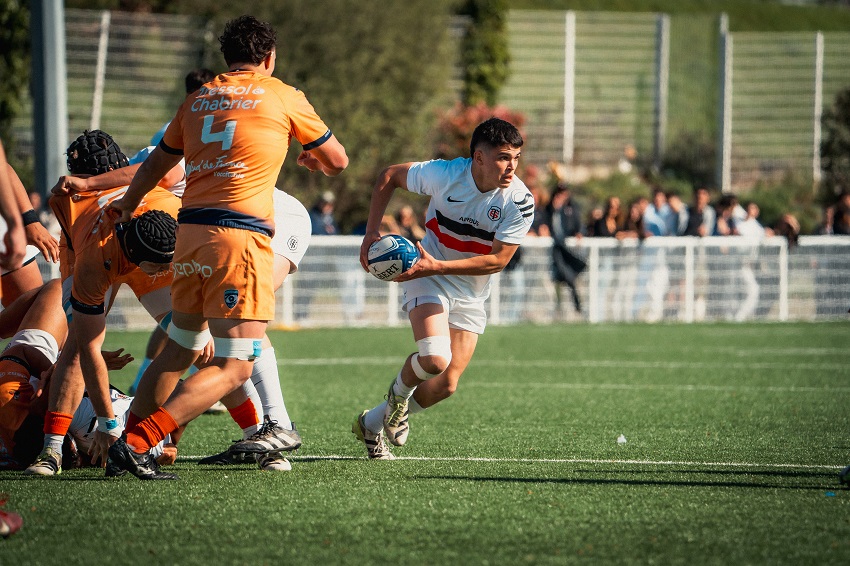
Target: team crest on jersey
x,y
231,297
292,243
494,213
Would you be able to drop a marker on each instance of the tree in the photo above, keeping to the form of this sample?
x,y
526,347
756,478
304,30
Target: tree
x,y
14,62
835,147
485,56
376,72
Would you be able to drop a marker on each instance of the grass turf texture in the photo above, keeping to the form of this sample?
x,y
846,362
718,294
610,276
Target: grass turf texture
x,y
735,435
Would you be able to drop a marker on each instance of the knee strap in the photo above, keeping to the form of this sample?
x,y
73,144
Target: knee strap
x,y
431,346
246,349
189,339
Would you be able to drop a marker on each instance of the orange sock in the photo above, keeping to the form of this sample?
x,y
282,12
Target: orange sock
x,y
132,421
151,431
245,415
57,423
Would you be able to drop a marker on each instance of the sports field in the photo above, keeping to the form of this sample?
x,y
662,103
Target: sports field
x,y
734,435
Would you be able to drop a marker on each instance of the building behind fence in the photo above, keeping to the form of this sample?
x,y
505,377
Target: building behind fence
x,y
679,279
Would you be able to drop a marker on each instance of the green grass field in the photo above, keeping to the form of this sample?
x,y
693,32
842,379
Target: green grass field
x,y
735,436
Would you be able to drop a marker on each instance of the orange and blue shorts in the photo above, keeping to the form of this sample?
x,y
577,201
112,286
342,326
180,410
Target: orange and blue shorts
x,y
223,272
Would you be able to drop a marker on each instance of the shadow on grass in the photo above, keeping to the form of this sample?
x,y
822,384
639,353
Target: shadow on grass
x,y
635,482
767,473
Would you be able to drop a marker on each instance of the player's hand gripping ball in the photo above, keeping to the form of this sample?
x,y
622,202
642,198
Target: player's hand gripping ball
x,y
391,256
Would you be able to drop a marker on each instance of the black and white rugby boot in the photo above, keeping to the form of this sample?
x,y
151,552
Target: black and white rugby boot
x,y
271,438
143,466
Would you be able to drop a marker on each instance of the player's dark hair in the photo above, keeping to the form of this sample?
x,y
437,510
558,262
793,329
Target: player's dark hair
x,y
196,79
247,40
148,237
93,153
495,132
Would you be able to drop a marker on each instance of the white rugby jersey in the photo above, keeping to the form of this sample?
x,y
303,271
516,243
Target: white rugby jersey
x,y
462,222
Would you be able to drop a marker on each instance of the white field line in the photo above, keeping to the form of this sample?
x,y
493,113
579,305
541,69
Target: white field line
x,y
660,386
568,363
751,465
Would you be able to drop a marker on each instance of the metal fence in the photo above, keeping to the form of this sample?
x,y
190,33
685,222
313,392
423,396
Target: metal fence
x,y
125,73
594,84
680,279
776,89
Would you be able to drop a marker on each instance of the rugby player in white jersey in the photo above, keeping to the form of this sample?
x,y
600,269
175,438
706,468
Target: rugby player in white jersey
x,y
477,217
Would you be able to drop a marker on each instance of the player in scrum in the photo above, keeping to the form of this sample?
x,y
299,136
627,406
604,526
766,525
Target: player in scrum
x,y
97,255
478,214
233,134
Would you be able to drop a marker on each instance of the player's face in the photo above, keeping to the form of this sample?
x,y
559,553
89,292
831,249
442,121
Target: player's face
x,y
496,165
152,268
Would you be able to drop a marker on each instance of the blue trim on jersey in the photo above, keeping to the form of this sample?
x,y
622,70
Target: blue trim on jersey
x,y
225,219
313,145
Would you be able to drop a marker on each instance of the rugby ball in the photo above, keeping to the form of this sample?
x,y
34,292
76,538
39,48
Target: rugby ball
x,y
391,256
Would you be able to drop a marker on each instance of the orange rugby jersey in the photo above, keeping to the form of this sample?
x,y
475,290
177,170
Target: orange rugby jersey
x,y
234,133
88,247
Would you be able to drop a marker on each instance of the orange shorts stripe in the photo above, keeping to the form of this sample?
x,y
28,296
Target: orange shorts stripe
x,y
223,273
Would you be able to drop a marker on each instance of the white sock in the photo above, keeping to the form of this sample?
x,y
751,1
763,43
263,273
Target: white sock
x,y
414,407
266,379
401,388
374,419
54,441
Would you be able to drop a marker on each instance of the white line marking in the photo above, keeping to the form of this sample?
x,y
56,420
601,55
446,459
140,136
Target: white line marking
x,y
565,461
719,364
671,387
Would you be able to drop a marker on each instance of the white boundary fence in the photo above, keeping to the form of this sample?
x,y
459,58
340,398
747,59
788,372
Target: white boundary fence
x,y
662,279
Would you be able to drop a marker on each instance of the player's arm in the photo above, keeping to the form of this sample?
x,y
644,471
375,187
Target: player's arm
x,y
329,158
391,178
14,239
152,169
485,264
89,331
36,234
110,179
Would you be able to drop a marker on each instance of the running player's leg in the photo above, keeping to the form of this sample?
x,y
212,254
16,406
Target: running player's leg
x,y
430,323
444,385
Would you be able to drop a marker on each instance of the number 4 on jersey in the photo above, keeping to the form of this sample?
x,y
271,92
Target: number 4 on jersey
x,y
225,136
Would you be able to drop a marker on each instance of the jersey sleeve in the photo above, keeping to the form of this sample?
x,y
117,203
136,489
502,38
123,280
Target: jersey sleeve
x,y
518,218
427,177
307,127
88,293
172,139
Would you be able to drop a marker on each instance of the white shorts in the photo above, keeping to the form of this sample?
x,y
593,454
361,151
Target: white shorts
x,y
84,423
292,228
464,314
29,256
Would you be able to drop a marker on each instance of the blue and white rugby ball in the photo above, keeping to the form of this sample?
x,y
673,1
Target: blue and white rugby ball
x,y
391,256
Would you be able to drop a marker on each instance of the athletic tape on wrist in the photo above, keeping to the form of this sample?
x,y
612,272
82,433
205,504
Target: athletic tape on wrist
x,y
109,425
